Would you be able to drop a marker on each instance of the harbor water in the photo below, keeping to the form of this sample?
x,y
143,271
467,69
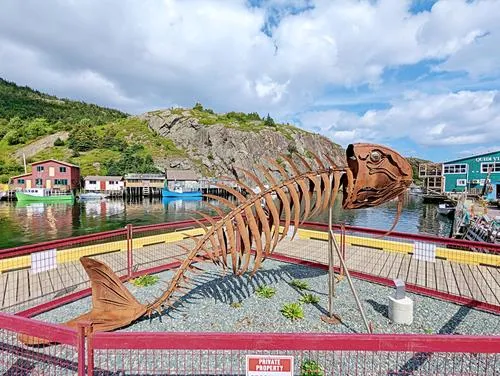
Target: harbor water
x,y
27,223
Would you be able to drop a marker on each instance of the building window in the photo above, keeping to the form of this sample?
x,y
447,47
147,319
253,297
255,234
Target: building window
x,y
38,182
61,182
20,181
461,182
485,167
92,182
39,168
62,169
111,182
455,169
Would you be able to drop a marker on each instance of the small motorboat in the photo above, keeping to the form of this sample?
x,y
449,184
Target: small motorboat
x,y
446,209
180,193
92,196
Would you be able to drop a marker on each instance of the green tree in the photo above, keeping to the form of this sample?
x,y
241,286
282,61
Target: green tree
x,y
133,160
36,128
110,140
269,122
82,138
198,107
13,137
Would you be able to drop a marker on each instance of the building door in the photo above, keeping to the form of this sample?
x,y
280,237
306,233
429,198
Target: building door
x,y
51,172
103,185
498,191
48,183
28,184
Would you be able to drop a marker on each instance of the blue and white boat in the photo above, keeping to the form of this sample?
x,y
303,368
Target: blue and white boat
x,y
180,193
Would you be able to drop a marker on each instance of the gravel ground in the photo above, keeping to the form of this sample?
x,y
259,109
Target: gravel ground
x,y
209,306
227,303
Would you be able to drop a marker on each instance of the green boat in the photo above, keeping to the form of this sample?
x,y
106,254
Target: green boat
x,y
43,195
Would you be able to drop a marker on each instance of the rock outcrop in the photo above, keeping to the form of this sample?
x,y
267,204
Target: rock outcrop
x,y
216,149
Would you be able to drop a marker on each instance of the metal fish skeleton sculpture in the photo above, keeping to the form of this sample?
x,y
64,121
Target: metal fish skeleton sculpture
x,y
374,175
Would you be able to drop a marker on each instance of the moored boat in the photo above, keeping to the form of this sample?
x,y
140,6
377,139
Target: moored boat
x,y
180,193
43,195
92,196
446,209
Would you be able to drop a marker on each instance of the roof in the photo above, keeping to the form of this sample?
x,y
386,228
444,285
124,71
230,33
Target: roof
x,y
19,176
473,156
182,175
104,178
145,176
55,160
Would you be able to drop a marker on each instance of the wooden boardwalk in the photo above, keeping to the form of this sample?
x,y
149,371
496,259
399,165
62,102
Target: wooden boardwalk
x,y
21,289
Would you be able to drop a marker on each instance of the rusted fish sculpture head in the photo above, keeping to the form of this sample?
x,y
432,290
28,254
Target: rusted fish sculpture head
x,y
374,175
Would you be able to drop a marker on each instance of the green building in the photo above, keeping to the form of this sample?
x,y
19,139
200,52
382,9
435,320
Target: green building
x,y
470,174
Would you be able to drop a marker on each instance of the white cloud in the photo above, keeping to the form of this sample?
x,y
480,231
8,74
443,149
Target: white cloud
x,y
461,118
143,55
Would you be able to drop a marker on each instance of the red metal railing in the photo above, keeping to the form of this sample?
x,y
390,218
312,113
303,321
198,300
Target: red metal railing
x,y
224,353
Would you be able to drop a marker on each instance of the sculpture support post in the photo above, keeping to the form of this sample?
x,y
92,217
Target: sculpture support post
x,y
331,318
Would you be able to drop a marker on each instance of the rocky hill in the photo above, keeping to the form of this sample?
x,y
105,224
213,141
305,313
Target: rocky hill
x,y
105,141
216,143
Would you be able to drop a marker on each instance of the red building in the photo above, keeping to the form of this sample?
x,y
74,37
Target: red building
x,y
50,174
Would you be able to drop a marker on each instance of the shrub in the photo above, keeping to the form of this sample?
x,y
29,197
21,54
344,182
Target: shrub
x,y
269,122
299,285
198,107
265,291
311,368
13,138
292,311
309,299
145,280
58,142
236,305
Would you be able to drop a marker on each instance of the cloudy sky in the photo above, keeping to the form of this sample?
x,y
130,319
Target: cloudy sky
x,y
422,76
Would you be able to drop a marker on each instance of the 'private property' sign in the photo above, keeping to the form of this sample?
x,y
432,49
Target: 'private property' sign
x,y
269,365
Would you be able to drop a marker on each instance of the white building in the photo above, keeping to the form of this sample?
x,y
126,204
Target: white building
x,y
108,184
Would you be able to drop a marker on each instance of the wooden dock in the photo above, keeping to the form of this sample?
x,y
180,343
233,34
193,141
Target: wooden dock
x,y
20,289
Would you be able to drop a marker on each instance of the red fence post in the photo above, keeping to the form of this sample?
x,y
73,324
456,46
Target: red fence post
x,y
90,351
83,328
130,260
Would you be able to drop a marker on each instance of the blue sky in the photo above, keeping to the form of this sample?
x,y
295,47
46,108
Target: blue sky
x,y
421,76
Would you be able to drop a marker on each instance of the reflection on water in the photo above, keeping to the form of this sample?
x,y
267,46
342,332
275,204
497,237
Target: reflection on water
x,y
26,223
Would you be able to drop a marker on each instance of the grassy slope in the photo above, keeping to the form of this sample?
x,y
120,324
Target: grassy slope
x,y
28,104
132,130
242,122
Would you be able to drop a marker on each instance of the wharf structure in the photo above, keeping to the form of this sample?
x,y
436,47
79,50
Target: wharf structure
x,y
109,185
473,175
477,175
137,185
62,176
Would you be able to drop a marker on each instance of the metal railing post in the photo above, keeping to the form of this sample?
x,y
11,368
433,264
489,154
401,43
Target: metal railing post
x,y
82,329
90,351
130,260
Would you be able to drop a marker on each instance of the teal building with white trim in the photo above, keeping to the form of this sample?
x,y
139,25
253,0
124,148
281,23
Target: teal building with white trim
x,y
469,174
